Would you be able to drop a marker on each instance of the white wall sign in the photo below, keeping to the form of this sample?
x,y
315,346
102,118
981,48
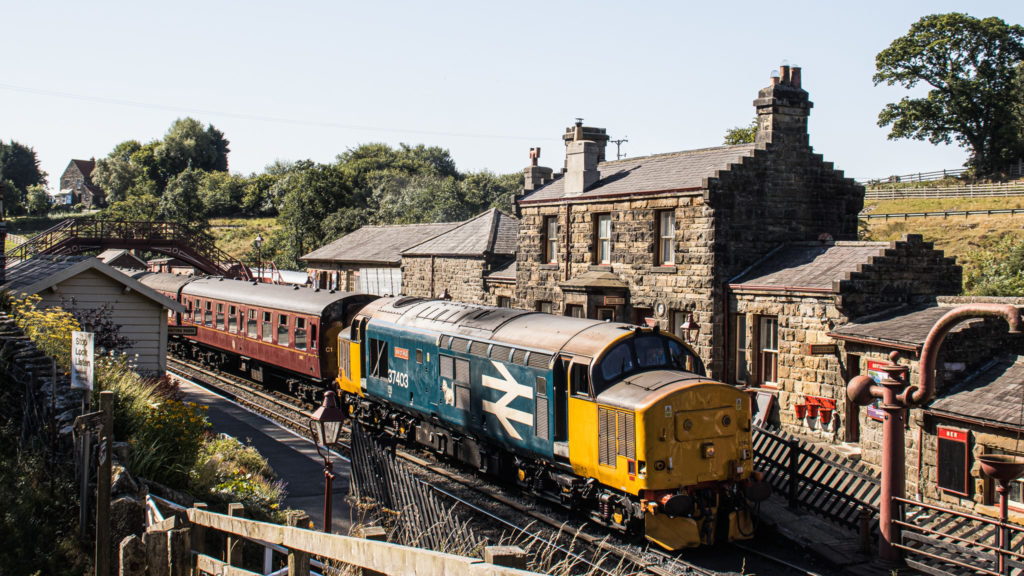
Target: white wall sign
x,y
81,360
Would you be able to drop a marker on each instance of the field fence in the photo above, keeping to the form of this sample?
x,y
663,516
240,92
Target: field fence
x,y
1014,188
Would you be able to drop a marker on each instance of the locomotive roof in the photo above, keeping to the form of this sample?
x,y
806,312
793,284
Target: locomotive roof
x,y
298,299
634,392
509,326
163,281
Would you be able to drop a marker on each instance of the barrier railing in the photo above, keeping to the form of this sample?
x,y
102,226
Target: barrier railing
x,y
813,479
943,214
1015,188
940,541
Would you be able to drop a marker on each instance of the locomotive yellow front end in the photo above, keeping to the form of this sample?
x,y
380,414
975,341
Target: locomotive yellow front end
x,y
693,473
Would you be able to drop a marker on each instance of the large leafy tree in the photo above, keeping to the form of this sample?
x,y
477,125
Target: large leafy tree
x,y
187,143
19,169
181,202
117,175
971,66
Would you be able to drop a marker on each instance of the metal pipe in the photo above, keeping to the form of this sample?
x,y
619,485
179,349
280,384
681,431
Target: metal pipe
x,y
917,395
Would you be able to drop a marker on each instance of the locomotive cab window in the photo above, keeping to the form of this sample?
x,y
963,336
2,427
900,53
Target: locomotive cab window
x,y
268,334
579,374
232,319
250,327
282,330
300,333
378,358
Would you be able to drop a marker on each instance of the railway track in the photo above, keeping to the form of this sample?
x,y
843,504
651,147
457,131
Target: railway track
x,y
630,558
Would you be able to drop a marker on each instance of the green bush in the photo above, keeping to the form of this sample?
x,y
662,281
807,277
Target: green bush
x,y
227,470
166,444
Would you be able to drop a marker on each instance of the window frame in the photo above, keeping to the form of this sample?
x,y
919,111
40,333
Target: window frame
x,y
766,355
549,239
741,350
284,328
666,248
603,239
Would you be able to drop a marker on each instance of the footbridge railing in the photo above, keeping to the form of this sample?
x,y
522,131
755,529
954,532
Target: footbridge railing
x,y
79,235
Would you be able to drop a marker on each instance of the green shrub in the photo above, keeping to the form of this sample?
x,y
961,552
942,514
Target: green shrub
x,y
166,443
227,470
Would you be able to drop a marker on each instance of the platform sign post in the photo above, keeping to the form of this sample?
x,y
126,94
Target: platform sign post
x,y
82,360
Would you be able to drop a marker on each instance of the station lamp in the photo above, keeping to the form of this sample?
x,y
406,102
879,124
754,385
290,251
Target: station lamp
x,y
258,243
325,425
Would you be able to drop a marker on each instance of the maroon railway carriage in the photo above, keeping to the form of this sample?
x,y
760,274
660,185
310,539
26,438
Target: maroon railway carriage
x,y
247,326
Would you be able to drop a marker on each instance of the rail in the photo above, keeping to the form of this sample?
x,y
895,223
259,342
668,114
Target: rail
x,y
815,480
943,214
940,541
1015,188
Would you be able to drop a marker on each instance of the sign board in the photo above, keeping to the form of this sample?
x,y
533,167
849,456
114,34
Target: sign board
x,y
819,349
182,330
402,353
88,423
951,453
614,300
876,373
82,359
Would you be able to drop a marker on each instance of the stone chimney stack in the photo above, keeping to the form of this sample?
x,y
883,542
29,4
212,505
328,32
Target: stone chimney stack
x,y
581,166
782,110
535,176
579,132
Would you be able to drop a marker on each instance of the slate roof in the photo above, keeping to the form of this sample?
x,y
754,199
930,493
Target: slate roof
x,y
659,173
506,273
492,232
112,256
44,271
86,168
808,266
903,327
992,395
378,244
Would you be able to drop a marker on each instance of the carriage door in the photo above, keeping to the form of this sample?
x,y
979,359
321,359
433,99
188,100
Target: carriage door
x,y
561,407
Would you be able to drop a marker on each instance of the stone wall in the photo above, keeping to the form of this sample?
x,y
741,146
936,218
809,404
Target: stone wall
x,y
911,271
429,277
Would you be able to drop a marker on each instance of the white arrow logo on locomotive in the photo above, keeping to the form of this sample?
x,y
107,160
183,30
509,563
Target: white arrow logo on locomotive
x,y
501,409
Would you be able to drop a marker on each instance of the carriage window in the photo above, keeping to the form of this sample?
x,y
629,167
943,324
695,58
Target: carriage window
x,y
378,358
312,336
268,335
282,330
232,319
250,327
197,312
300,333
220,316
209,314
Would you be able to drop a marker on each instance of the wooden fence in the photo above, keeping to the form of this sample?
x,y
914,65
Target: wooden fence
x,y
813,479
943,214
1015,188
916,177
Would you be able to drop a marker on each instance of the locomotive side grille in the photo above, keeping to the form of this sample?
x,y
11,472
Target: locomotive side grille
x,y
519,357
627,436
462,397
499,352
540,418
447,364
478,349
538,360
606,436
346,367
459,344
462,370
446,341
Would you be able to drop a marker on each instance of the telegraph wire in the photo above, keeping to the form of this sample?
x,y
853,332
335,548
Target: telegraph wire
x,y
254,117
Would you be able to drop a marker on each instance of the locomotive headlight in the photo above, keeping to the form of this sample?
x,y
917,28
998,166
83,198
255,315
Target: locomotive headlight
x,y
659,465
707,450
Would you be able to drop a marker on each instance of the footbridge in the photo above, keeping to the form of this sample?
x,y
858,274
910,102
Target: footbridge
x,y
80,235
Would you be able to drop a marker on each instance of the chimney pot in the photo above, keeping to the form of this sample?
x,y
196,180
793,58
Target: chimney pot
x,y
774,80
784,72
794,76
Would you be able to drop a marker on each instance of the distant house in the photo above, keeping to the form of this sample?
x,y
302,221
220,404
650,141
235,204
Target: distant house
x,y
369,259
76,184
120,258
458,263
86,283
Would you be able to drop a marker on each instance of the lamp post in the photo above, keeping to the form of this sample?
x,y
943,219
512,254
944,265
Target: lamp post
x,y
325,424
258,242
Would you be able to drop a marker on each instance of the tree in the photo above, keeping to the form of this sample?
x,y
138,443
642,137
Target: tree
x,y
181,203
19,169
38,200
741,134
135,208
971,65
117,175
221,194
187,144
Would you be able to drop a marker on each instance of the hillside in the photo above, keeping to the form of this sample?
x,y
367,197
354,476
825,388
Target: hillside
x,y
959,236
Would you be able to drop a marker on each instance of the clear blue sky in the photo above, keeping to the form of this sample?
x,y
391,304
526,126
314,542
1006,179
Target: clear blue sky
x,y
296,80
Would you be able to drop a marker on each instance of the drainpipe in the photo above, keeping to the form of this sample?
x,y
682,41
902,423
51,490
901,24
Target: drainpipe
x,y
897,397
568,207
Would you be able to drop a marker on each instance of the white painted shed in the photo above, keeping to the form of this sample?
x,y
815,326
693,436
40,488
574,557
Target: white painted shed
x,y
140,311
